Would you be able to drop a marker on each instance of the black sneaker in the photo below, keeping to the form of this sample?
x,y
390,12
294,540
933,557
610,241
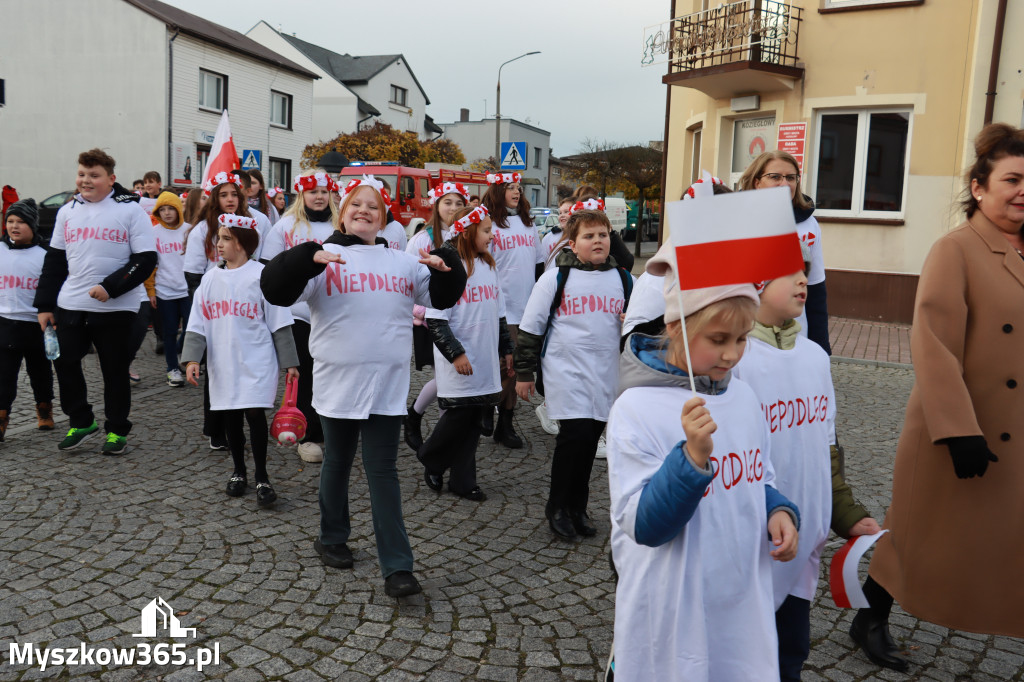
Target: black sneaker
x,y
237,485
265,495
336,556
401,584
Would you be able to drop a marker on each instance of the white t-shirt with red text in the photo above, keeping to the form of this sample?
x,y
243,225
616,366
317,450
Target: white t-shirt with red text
x,y
474,322
98,238
581,354
19,279
284,235
230,312
394,233
170,269
424,239
516,250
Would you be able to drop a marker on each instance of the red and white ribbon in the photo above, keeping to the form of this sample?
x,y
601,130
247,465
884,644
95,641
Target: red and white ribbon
x,y
231,220
691,193
842,574
274,191
588,205
475,216
448,188
222,178
304,183
500,178
369,181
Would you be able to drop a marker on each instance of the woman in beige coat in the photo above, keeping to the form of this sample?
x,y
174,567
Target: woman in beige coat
x,y
952,555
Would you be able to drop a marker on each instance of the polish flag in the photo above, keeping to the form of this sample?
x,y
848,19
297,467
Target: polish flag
x,y
734,238
223,156
842,574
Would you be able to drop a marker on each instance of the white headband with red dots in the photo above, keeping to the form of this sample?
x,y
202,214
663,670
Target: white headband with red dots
x,y
690,193
368,181
274,191
588,205
304,183
222,178
448,188
474,217
231,220
499,178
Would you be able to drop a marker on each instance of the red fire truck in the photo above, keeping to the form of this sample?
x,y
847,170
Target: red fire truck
x,y
409,187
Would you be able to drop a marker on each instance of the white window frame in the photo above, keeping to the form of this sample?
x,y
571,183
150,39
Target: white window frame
x,y
203,73
843,4
404,92
860,162
274,96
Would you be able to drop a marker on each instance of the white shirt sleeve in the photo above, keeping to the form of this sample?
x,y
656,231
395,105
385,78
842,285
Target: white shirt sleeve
x,y
274,243
541,250
538,308
57,239
195,249
276,316
141,237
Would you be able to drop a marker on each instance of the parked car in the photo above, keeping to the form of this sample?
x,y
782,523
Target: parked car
x,y
545,223
48,208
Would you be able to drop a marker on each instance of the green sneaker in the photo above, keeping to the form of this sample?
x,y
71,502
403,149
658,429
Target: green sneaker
x,y
115,444
75,437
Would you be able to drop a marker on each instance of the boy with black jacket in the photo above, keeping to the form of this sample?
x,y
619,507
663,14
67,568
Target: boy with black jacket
x,y
101,252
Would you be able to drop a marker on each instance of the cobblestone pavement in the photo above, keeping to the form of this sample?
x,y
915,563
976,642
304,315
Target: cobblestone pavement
x,y
87,541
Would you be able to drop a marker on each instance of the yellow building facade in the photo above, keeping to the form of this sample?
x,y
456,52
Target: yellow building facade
x,y
886,96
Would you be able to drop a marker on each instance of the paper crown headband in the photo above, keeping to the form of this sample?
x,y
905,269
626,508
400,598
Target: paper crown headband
x,y
231,220
274,191
222,178
448,188
474,217
499,178
691,193
368,181
588,205
304,183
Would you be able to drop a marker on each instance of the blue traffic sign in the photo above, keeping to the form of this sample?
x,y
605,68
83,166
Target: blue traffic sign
x,y
252,159
513,156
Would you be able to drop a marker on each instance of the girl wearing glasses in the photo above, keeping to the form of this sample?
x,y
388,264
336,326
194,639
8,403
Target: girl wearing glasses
x,y
774,169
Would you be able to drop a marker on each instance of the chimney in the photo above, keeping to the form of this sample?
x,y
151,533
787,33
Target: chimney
x,y
463,115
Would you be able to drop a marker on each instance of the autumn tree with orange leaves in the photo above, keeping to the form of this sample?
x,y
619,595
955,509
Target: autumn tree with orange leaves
x,y
382,142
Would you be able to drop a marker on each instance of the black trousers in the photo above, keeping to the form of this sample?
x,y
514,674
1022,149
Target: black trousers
x,y
575,447
793,624
110,335
23,340
314,429
452,445
213,421
234,422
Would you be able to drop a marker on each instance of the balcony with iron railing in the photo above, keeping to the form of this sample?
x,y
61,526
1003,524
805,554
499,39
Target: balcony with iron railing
x,y
740,48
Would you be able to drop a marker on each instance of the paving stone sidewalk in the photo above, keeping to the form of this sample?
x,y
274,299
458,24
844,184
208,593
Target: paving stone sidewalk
x,y
87,541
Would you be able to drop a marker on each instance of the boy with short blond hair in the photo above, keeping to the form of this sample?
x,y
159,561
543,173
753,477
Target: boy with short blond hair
x,y
101,251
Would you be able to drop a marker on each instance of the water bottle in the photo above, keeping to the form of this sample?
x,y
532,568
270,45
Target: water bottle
x,y
50,343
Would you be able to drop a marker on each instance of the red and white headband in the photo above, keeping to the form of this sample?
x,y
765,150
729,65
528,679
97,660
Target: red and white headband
x,y
222,178
588,205
500,178
474,217
368,181
274,191
183,196
304,183
231,220
690,194
448,188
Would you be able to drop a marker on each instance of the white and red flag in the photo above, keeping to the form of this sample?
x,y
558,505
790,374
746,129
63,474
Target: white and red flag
x,y
842,575
223,157
734,238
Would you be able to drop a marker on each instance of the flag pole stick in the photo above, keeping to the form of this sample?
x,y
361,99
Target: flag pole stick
x,y
682,324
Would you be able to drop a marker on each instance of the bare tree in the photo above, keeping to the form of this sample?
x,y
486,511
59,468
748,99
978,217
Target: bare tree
x,y
640,166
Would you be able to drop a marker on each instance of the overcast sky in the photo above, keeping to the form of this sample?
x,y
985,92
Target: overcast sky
x,y
587,81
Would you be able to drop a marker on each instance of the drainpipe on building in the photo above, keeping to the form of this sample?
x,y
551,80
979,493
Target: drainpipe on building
x,y
993,69
170,99
664,145
360,122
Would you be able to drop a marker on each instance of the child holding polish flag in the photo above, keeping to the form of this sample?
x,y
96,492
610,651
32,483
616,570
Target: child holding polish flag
x,y
246,340
360,295
696,517
792,378
312,217
469,340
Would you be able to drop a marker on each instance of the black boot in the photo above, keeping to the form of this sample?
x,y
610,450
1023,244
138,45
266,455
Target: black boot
x,y
413,435
504,433
486,420
561,525
872,635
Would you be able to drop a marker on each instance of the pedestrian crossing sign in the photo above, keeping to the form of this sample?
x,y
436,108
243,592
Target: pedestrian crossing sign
x,y
251,159
513,156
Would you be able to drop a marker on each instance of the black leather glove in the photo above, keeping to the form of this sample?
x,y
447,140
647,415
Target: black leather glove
x,y
970,455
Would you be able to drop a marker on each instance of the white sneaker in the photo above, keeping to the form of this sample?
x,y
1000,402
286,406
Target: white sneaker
x,y
174,378
310,452
602,448
546,423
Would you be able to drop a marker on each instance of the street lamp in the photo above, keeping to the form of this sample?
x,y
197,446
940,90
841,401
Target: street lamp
x,y
497,110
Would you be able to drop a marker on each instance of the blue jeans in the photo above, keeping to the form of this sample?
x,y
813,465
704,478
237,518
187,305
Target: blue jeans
x,y
380,435
793,624
170,312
